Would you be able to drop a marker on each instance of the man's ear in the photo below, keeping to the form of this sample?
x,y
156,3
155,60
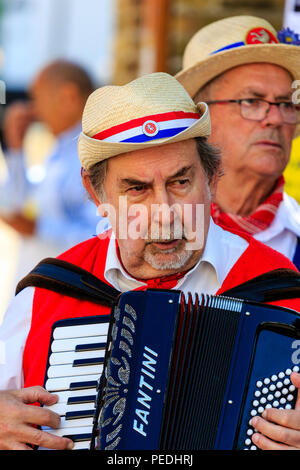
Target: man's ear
x,y
88,186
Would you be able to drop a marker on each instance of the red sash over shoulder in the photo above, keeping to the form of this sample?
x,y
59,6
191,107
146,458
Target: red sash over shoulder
x,y
49,307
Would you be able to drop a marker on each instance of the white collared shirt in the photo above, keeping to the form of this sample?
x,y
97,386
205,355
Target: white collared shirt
x,y
222,250
282,234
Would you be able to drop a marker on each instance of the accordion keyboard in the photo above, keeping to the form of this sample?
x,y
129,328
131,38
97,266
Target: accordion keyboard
x,y
276,391
75,364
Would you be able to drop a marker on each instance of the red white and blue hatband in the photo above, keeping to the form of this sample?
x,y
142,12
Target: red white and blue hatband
x,y
179,119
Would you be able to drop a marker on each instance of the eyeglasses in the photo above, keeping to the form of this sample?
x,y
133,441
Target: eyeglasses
x,y
257,109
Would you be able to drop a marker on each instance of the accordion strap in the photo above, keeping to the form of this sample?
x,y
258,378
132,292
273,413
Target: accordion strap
x,y
68,279
278,284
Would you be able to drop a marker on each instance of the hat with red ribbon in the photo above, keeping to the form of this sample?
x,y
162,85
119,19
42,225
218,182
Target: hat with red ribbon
x,y
150,111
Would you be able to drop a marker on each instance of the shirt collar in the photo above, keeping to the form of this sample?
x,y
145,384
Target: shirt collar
x,y
116,275
287,217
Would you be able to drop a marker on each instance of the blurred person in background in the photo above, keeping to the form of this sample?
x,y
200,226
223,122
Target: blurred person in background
x,y
62,214
244,70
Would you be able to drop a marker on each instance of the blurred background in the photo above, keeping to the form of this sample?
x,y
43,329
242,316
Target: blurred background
x,y
115,41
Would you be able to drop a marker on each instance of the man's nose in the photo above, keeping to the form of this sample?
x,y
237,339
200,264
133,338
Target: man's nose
x,y
273,117
161,207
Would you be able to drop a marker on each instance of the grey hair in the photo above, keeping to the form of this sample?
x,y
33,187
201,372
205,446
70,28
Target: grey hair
x,y
210,157
97,174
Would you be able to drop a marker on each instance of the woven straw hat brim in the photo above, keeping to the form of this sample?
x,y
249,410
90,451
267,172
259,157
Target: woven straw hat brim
x,y
196,76
92,151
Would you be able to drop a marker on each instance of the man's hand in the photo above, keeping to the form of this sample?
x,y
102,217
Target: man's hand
x,y
17,119
279,429
18,418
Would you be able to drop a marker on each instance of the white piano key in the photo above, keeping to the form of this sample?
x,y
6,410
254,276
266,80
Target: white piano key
x,y
66,370
71,431
60,345
78,331
82,445
69,356
63,408
64,396
63,383
71,423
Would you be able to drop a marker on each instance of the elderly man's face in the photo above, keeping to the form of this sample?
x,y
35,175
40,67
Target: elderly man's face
x,y
253,148
146,181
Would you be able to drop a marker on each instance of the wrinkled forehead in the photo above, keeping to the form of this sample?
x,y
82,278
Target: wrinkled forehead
x,y
259,79
147,165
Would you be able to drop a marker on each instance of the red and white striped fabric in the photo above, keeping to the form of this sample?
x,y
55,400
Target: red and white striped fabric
x,y
256,222
157,126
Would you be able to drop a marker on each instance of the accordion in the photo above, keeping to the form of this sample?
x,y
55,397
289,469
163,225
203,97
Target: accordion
x,y
168,371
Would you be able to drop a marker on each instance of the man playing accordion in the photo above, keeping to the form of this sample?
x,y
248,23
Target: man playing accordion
x,y
148,167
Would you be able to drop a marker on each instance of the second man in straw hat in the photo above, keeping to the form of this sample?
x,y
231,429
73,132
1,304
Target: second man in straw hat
x,y
245,71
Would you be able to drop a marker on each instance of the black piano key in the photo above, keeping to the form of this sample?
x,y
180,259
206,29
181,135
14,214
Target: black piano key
x,y
92,361
79,414
79,437
89,347
83,399
82,385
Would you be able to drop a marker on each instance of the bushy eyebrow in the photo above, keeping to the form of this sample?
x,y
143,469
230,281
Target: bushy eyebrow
x,y
256,94
126,182
182,172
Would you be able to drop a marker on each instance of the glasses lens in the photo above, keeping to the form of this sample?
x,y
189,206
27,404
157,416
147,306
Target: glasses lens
x,y
290,112
254,109
257,110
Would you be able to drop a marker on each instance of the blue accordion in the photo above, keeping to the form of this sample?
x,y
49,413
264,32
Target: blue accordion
x,y
189,372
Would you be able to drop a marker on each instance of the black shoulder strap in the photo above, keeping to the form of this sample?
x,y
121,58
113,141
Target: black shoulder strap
x,y
68,279
278,284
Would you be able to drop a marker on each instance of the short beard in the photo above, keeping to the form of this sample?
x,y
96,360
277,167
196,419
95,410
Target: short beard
x,y
178,261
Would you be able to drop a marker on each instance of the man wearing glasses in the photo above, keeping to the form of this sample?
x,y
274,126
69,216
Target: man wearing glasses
x,y
245,71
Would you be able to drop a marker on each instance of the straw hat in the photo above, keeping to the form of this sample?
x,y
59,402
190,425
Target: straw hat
x,y
149,111
235,41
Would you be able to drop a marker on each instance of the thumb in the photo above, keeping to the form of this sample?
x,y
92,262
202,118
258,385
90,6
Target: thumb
x,y
36,395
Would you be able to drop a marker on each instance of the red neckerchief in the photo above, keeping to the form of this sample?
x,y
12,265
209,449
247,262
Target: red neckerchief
x,y
164,282
256,222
